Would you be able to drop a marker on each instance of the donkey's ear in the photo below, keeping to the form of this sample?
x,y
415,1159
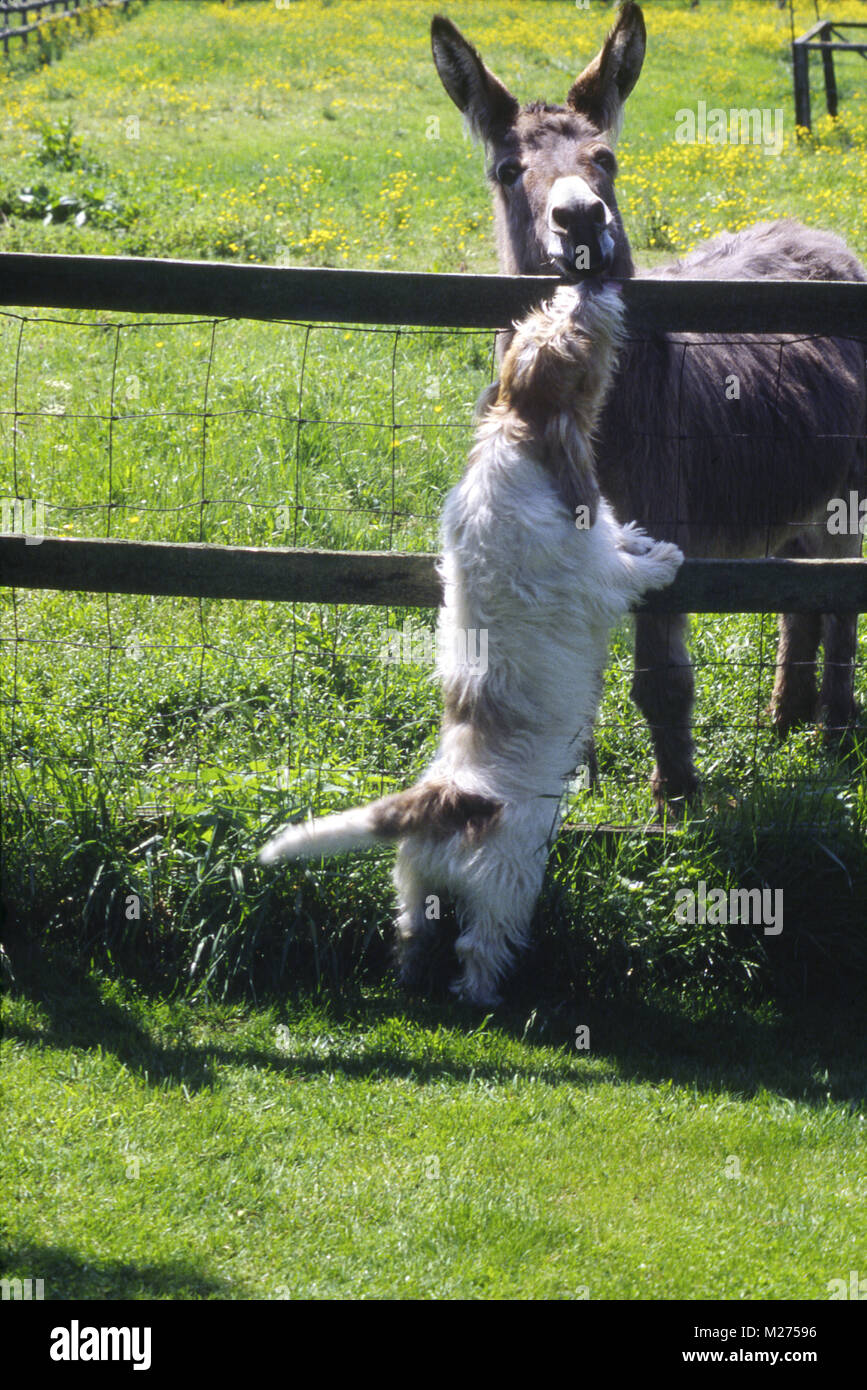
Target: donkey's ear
x,y
487,105
604,85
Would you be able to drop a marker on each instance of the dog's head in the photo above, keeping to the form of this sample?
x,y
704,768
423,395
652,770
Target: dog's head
x,y
555,376
562,355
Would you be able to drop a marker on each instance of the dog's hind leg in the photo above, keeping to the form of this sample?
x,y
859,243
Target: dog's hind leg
x,y
416,924
495,926
485,956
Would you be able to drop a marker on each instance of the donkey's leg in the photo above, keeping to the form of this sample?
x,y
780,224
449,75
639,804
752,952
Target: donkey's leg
x,y
793,702
837,708
838,711
664,690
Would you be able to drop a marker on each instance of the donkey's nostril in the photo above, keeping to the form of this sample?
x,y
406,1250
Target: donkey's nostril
x,y
573,216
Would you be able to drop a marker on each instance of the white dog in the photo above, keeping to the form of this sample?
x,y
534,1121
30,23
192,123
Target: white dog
x,y
534,557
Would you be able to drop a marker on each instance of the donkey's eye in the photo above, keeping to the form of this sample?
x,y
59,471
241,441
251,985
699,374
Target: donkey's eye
x,y
509,172
604,159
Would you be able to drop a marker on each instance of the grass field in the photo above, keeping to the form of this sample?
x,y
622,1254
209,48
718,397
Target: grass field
x,y
189,1152
297,1127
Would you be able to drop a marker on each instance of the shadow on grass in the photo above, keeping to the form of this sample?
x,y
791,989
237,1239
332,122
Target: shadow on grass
x,y
80,1017
68,1276
810,1053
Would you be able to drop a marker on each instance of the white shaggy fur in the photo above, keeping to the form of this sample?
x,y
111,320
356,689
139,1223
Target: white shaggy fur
x,y
478,825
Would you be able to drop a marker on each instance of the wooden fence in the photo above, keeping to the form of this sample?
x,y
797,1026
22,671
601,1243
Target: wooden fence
x,y
826,38
56,9
140,285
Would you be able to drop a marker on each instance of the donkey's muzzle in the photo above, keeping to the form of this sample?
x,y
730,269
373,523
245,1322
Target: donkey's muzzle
x,y
579,226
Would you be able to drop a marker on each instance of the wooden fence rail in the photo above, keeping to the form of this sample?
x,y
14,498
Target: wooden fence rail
x,y
57,9
387,578
145,286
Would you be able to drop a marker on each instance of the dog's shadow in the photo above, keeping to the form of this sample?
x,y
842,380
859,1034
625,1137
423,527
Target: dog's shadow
x,y
811,1052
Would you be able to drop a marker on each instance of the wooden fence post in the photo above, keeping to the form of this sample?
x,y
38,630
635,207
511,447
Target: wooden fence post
x,y
801,70
828,66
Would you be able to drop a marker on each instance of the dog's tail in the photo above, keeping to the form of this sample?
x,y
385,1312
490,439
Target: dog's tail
x,y
437,807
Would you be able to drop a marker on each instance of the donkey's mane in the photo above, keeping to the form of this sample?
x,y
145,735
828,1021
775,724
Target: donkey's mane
x,y
533,108
563,121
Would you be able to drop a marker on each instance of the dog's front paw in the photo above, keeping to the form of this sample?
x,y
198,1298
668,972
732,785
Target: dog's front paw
x,y
635,541
661,563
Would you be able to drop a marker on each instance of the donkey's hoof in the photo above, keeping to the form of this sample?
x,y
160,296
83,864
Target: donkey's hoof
x,y
839,735
676,794
791,712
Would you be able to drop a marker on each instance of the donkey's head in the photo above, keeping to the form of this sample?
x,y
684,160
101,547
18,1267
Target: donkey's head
x,y
551,168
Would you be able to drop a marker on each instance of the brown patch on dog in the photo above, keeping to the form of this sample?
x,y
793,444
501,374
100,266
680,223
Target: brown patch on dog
x,y
435,806
553,382
475,710
577,486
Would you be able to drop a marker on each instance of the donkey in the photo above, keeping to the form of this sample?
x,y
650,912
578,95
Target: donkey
x,y
726,478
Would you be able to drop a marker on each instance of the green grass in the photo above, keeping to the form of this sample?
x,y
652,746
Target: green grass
x,y
164,1151
321,134
149,745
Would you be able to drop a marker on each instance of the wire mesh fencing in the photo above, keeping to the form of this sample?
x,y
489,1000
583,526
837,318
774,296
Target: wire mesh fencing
x,y
231,433
332,437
